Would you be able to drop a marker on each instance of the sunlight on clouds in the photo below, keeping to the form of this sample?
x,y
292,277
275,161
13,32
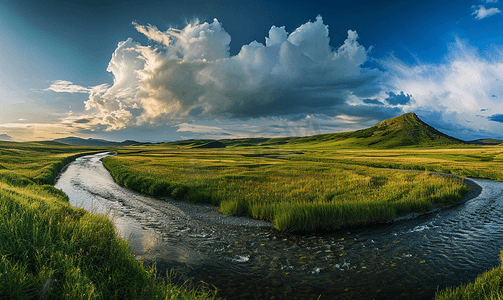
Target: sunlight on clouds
x,y
64,86
35,131
189,74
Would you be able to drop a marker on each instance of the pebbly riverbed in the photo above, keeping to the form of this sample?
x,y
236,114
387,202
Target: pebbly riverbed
x,y
247,259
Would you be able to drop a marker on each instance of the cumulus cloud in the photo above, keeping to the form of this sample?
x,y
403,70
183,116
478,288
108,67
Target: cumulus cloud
x,y
482,12
188,73
398,99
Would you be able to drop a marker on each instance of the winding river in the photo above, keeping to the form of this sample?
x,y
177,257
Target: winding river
x,y
247,259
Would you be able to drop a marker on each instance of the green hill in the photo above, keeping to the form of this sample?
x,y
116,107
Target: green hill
x,y
401,131
404,130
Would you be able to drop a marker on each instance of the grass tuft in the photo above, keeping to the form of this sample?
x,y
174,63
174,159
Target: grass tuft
x,y
50,250
301,193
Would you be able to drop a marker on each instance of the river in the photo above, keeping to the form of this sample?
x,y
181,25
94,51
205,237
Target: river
x,y
247,259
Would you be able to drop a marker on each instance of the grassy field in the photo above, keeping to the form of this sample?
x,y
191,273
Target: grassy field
x,y
311,186
301,190
300,184
50,250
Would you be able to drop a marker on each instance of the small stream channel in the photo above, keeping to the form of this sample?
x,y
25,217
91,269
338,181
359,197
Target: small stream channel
x,y
247,259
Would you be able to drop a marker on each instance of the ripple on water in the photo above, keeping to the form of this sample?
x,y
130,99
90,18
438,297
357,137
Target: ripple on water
x,y
247,259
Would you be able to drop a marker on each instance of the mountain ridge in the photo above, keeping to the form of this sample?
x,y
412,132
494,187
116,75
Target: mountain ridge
x,y
76,141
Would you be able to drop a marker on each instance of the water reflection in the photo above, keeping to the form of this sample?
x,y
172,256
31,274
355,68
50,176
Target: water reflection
x,y
406,259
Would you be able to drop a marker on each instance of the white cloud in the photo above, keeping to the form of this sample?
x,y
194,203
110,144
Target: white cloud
x,y
482,12
466,88
190,74
186,127
64,86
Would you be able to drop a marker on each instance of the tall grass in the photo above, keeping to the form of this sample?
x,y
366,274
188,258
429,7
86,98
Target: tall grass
x,y
50,250
296,195
488,285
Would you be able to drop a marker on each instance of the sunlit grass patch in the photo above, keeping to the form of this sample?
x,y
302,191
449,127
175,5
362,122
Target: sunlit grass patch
x,y
50,250
306,192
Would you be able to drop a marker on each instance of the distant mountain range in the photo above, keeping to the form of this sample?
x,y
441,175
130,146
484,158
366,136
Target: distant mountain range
x,y
76,141
405,130
485,142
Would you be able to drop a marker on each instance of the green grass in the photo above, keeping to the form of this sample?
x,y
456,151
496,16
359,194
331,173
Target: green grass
x,y
298,187
321,182
50,250
38,161
488,285
302,192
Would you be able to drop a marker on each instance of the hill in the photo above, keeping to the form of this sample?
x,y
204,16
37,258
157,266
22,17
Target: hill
x,y
401,131
76,141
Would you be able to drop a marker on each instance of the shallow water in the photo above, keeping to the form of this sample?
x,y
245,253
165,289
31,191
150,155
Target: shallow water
x,y
244,259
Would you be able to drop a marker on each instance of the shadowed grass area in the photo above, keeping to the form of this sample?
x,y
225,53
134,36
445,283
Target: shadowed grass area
x,y
50,250
301,192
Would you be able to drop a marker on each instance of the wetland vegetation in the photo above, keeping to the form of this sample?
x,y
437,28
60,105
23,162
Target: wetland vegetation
x,y
300,184
50,250
294,194
313,183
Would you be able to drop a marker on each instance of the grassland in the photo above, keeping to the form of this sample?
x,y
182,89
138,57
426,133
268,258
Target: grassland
x,y
303,190
50,250
320,182
300,184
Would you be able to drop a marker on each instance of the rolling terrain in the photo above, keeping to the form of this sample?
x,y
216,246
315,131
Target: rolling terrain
x,y
407,130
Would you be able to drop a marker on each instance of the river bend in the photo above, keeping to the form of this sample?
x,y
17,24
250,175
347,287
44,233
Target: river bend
x,y
247,259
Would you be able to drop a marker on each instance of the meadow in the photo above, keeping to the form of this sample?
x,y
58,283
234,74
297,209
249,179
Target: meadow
x,y
55,251
50,250
312,186
304,190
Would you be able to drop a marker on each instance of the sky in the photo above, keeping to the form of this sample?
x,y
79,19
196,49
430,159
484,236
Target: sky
x,y
175,70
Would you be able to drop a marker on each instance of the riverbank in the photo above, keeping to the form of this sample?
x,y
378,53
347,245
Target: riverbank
x,y
295,195
474,192
391,261
51,250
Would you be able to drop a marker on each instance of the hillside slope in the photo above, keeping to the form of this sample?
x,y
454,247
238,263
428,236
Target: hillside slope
x,y
401,131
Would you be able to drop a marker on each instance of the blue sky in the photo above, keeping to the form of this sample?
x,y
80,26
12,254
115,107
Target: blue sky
x,y
171,70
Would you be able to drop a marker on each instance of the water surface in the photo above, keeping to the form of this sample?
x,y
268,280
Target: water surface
x,y
247,259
